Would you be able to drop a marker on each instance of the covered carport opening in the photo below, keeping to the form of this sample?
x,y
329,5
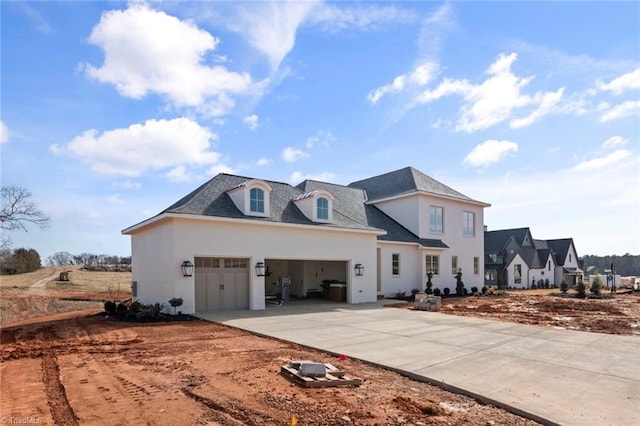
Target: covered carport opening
x,y
300,279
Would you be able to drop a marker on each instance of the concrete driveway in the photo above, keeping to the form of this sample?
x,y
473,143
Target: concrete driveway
x,y
552,375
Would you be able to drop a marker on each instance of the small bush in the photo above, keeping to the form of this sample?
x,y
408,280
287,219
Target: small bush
x,y
564,286
484,289
596,285
110,307
446,291
546,283
121,308
429,290
135,307
581,290
474,290
436,291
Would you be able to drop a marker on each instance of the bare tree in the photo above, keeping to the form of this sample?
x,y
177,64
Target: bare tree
x,y
18,210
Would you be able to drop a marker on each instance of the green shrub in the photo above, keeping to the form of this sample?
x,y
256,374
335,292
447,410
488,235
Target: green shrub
x,y
596,285
110,307
446,291
546,283
484,289
135,307
474,290
564,286
533,286
121,308
436,291
581,290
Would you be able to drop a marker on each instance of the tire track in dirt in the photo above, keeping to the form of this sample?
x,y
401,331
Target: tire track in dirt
x,y
61,411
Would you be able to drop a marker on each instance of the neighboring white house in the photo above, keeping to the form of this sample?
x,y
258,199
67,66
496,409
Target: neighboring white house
x,y
513,259
250,240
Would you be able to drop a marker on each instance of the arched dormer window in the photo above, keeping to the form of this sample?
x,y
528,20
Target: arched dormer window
x,y
251,197
256,200
316,205
322,208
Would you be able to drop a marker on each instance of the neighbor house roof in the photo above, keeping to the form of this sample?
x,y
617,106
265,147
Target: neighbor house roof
x,y
561,248
494,241
407,181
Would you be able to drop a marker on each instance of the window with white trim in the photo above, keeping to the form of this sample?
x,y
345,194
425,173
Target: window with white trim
x,y
454,265
395,264
256,200
468,224
476,265
322,208
436,219
432,264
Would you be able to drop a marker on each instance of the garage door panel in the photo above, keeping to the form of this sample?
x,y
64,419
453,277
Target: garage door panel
x,y
221,288
201,291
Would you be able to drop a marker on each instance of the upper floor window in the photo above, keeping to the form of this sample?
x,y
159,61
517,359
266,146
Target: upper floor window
x,y
395,264
468,224
549,265
256,200
322,205
436,221
432,264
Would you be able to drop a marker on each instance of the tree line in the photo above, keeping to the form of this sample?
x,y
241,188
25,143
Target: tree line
x,y
22,260
625,265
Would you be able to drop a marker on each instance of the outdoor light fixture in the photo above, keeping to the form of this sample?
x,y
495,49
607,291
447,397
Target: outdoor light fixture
x,y
260,268
359,269
187,268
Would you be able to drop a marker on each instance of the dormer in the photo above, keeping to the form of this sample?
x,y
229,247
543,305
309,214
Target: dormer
x,y
316,205
252,197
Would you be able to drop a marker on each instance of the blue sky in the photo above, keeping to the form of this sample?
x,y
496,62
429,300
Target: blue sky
x,y
111,111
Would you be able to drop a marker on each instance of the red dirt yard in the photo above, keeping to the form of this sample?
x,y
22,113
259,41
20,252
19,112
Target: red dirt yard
x,y
79,367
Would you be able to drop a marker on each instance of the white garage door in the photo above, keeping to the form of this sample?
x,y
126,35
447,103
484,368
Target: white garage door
x,y
221,284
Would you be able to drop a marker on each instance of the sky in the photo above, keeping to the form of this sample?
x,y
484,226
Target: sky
x,y
112,111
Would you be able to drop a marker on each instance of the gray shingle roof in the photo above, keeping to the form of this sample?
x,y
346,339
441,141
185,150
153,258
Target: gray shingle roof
x,y
351,202
211,199
405,181
561,249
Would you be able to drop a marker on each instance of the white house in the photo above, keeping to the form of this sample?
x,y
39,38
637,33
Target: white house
x,y
514,259
248,240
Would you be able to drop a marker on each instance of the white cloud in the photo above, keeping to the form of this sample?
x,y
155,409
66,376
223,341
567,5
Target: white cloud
x,y
602,162
546,104
251,121
495,99
148,51
179,174
262,162
291,154
625,109
421,75
128,184
36,18
364,17
628,81
297,177
220,168
270,26
323,137
4,133
155,144
490,152
614,141
115,199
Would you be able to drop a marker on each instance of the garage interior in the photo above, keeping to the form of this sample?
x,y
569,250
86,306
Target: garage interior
x,y
287,279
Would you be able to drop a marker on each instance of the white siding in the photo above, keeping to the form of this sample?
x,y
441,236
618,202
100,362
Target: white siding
x,y
159,250
405,211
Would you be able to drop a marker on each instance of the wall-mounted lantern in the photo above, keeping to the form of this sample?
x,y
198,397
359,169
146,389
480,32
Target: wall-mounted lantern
x,y
187,268
359,268
260,269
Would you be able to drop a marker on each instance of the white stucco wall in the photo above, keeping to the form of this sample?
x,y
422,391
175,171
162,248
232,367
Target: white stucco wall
x,y
159,251
511,273
410,276
404,210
